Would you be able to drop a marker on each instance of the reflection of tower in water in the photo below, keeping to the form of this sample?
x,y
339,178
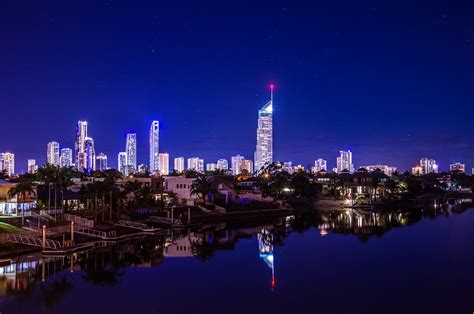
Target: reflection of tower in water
x,y
265,247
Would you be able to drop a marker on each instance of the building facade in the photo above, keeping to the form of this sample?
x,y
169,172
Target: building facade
x,y
32,166
457,166
196,163
90,155
264,148
52,153
7,163
154,146
235,160
179,164
387,170
164,164
320,165
122,164
223,164
80,154
131,150
65,159
344,161
101,162
428,165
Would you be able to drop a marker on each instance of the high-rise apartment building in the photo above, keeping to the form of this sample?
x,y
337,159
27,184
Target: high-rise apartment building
x,y
264,148
122,164
457,166
164,164
344,161
7,163
428,165
245,164
387,170
32,166
131,149
80,155
90,154
222,164
179,164
65,159
195,163
211,167
101,162
235,160
154,146
320,165
52,153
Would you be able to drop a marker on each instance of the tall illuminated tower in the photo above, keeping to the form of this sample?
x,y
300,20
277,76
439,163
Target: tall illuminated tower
x,y
65,159
122,163
131,149
264,148
53,153
101,162
80,155
90,154
164,164
154,146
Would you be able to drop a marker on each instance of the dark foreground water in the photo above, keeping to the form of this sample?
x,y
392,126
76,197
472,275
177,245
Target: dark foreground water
x,y
341,262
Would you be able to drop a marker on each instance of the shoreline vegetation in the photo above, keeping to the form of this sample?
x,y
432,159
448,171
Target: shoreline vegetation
x,y
107,202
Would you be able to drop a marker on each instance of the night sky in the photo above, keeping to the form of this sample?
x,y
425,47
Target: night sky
x,y
393,82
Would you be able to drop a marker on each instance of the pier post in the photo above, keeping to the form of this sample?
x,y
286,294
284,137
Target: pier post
x,y
44,237
172,213
72,231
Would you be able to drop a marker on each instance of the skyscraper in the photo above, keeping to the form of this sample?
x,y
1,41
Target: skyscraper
x,y
264,147
32,167
245,164
179,164
222,164
211,167
102,162
154,146
320,165
7,163
80,155
457,166
90,154
122,164
65,160
195,163
428,165
344,161
164,166
52,153
235,164
131,149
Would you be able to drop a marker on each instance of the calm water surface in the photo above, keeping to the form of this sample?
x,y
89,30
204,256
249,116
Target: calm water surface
x,y
340,262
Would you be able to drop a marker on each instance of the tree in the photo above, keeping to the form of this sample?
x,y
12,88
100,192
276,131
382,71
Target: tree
x,y
203,185
21,189
48,174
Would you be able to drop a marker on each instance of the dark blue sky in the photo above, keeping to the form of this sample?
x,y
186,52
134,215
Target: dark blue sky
x,y
393,82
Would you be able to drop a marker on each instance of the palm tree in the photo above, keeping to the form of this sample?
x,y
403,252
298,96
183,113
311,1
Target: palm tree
x,y
47,174
203,185
111,176
64,181
132,187
21,189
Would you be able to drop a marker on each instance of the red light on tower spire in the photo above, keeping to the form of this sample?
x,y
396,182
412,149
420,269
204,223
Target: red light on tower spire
x,y
272,86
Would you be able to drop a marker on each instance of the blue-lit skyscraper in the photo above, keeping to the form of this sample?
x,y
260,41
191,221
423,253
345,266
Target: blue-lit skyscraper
x,y
264,148
154,146
131,150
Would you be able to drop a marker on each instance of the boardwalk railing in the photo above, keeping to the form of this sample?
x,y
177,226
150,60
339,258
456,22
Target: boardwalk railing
x,y
132,224
32,241
87,223
164,220
44,214
95,233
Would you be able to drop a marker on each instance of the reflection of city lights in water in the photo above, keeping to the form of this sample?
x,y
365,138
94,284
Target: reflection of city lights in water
x,y
265,247
323,232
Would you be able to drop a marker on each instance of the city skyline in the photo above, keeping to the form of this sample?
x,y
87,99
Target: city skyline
x,y
341,86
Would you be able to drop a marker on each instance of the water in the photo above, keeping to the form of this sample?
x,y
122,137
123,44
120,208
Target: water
x,y
339,262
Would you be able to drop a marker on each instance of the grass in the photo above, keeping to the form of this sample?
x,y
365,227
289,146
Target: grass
x,y
4,227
